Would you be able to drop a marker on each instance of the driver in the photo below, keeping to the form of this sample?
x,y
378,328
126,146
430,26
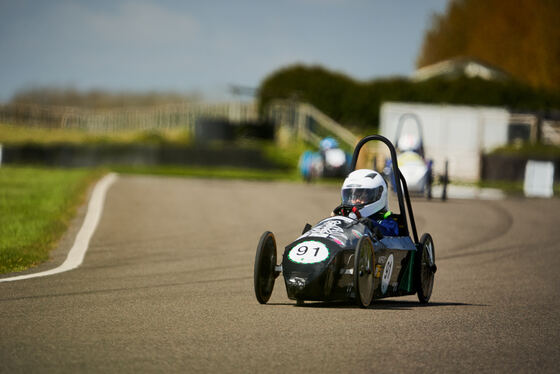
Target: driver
x,y
364,195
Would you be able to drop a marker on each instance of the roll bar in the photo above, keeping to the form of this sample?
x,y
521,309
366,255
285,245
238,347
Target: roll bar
x,y
398,176
400,126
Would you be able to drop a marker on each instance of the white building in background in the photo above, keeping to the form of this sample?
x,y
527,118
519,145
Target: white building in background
x,y
459,134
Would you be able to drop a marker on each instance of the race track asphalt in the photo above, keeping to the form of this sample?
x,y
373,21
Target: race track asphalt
x,y
167,286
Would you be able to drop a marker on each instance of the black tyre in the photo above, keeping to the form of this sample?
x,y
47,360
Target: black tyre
x,y
363,272
265,263
425,268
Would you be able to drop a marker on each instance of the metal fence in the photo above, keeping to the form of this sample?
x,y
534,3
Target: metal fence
x,y
297,120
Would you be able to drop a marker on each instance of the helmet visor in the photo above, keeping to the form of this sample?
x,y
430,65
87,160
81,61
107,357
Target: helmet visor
x,y
360,196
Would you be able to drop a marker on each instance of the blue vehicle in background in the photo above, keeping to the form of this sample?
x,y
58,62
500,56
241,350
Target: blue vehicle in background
x,y
329,162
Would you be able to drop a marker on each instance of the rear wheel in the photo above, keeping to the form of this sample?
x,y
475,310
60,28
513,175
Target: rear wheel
x,y
363,272
265,263
425,268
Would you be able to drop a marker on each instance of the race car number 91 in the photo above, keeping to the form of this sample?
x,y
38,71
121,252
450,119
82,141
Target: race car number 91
x,y
309,252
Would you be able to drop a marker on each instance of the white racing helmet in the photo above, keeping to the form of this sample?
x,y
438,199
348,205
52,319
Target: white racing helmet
x,y
365,190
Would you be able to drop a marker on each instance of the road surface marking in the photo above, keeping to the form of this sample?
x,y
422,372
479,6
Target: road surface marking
x,y
78,251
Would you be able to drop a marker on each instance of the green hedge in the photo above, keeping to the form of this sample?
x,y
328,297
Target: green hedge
x,y
356,104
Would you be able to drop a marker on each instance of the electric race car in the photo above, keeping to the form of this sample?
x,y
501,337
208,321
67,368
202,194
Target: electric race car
x,y
413,164
343,258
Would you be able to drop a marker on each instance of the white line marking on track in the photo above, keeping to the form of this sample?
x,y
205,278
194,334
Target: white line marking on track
x,y
78,251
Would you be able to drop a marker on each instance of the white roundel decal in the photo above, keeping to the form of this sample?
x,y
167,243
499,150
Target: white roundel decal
x,y
387,274
309,252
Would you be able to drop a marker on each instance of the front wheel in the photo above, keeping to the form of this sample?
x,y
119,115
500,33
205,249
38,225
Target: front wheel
x,y
425,268
363,272
264,271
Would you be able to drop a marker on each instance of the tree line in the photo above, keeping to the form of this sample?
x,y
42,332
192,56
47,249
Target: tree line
x,y
356,104
521,37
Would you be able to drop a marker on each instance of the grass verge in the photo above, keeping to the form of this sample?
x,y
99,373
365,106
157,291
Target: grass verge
x,y
17,134
36,206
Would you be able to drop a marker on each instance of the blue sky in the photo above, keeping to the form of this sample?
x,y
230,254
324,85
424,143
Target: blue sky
x,y
203,46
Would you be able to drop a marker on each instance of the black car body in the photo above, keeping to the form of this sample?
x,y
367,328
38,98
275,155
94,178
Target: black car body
x,y
319,264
